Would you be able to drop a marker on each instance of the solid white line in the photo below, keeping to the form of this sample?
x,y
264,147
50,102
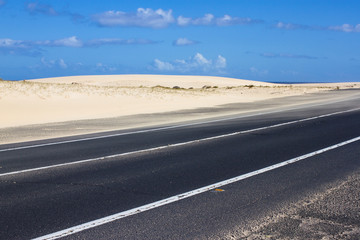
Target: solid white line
x,y
175,144
154,129
101,221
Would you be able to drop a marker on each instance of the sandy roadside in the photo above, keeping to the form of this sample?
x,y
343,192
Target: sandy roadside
x,y
63,99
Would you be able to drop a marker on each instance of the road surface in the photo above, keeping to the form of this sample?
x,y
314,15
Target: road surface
x,y
54,186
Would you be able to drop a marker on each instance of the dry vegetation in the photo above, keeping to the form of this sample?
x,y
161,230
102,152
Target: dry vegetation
x,y
48,90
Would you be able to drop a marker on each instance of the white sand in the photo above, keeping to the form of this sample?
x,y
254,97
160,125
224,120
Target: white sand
x,y
153,80
90,97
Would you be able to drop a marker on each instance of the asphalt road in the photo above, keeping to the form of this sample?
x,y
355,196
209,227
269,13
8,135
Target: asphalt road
x,y
43,201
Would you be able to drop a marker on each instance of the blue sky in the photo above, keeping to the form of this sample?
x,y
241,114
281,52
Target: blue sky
x,y
276,41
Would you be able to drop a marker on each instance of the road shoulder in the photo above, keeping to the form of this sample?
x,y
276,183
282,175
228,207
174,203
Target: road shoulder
x,y
332,214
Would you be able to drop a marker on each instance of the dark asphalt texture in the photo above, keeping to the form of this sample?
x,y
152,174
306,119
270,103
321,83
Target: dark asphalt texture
x,y
224,215
41,202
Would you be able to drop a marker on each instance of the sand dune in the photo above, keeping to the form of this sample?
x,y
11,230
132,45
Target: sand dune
x,y
90,97
153,80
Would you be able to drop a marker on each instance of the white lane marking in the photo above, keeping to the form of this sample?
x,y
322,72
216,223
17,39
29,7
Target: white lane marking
x,y
111,218
174,144
159,129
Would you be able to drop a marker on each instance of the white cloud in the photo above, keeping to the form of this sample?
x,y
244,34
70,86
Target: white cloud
x,y
147,17
287,26
47,63
201,60
184,42
142,18
67,42
24,47
62,64
163,66
220,62
210,19
183,21
228,21
341,28
18,47
10,43
196,64
58,63
117,41
292,26
346,28
206,20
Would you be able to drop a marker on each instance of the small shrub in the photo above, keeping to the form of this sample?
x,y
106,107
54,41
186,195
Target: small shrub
x,y
176,87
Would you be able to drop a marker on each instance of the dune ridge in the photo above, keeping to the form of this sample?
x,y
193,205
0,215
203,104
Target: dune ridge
x,y
137,80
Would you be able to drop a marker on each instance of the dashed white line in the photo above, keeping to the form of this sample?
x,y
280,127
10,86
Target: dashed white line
x,y
175,144
154,130
111,218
